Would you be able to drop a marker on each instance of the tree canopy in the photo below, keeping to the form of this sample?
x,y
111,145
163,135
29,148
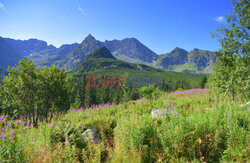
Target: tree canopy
x,y
232,74
35,93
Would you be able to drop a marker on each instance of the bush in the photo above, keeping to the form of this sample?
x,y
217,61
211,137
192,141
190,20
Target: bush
x,y
149,92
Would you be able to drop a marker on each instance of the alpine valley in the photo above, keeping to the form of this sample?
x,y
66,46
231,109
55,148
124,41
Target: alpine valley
x,y
128,53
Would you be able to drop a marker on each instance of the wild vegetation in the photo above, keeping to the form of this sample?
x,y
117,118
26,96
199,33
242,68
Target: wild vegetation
x,y
199,127
51,115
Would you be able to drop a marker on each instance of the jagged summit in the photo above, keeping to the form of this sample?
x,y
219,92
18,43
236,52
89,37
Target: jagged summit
x,y
90,37
179,51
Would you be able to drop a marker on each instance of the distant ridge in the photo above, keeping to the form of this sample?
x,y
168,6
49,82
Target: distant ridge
x,y
130,50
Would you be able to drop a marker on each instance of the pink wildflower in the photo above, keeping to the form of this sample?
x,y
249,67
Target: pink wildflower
x,y
2,117
2,136
228,118
51,125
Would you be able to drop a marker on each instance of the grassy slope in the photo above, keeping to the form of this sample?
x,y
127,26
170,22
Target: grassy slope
x,y
128,132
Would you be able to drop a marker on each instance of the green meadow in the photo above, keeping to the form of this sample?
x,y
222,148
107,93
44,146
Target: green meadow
x,y
199,127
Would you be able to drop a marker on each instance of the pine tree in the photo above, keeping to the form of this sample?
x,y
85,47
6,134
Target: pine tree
x,y
203,81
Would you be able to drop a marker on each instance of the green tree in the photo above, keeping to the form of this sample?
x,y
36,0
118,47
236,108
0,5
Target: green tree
x,y
134,94
232,74
203,81
35,93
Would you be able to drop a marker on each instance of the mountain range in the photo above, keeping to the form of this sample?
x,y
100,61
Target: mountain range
x,y
129,50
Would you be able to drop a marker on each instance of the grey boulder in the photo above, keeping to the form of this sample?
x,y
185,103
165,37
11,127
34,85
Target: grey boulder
x,y
90,135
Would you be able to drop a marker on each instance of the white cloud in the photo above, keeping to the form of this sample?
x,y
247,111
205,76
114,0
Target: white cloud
x,y
79,8
220,19
82,11
1,5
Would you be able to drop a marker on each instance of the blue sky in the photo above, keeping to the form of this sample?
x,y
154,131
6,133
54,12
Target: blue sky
x,y
161,25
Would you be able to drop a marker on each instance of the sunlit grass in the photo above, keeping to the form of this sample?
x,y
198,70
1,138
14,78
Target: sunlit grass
x,y
203,127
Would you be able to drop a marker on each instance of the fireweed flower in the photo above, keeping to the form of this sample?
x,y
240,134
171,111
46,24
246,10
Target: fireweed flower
x,y
163,109
9,125
39,123
11,133
2,117
31,124
27,127
2,136
172,107
51,125
169,104
34,139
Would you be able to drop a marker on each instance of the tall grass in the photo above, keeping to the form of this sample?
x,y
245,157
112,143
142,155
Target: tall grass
x,y
199,127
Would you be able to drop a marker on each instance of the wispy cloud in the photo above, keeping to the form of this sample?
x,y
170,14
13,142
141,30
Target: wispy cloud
x,y
1,5
80,9
220,19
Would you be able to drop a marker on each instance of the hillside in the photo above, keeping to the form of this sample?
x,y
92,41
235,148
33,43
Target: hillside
x,y
131,50
103,60
53,55
11,50
8,55
185,126
195,61
175,57
77,56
